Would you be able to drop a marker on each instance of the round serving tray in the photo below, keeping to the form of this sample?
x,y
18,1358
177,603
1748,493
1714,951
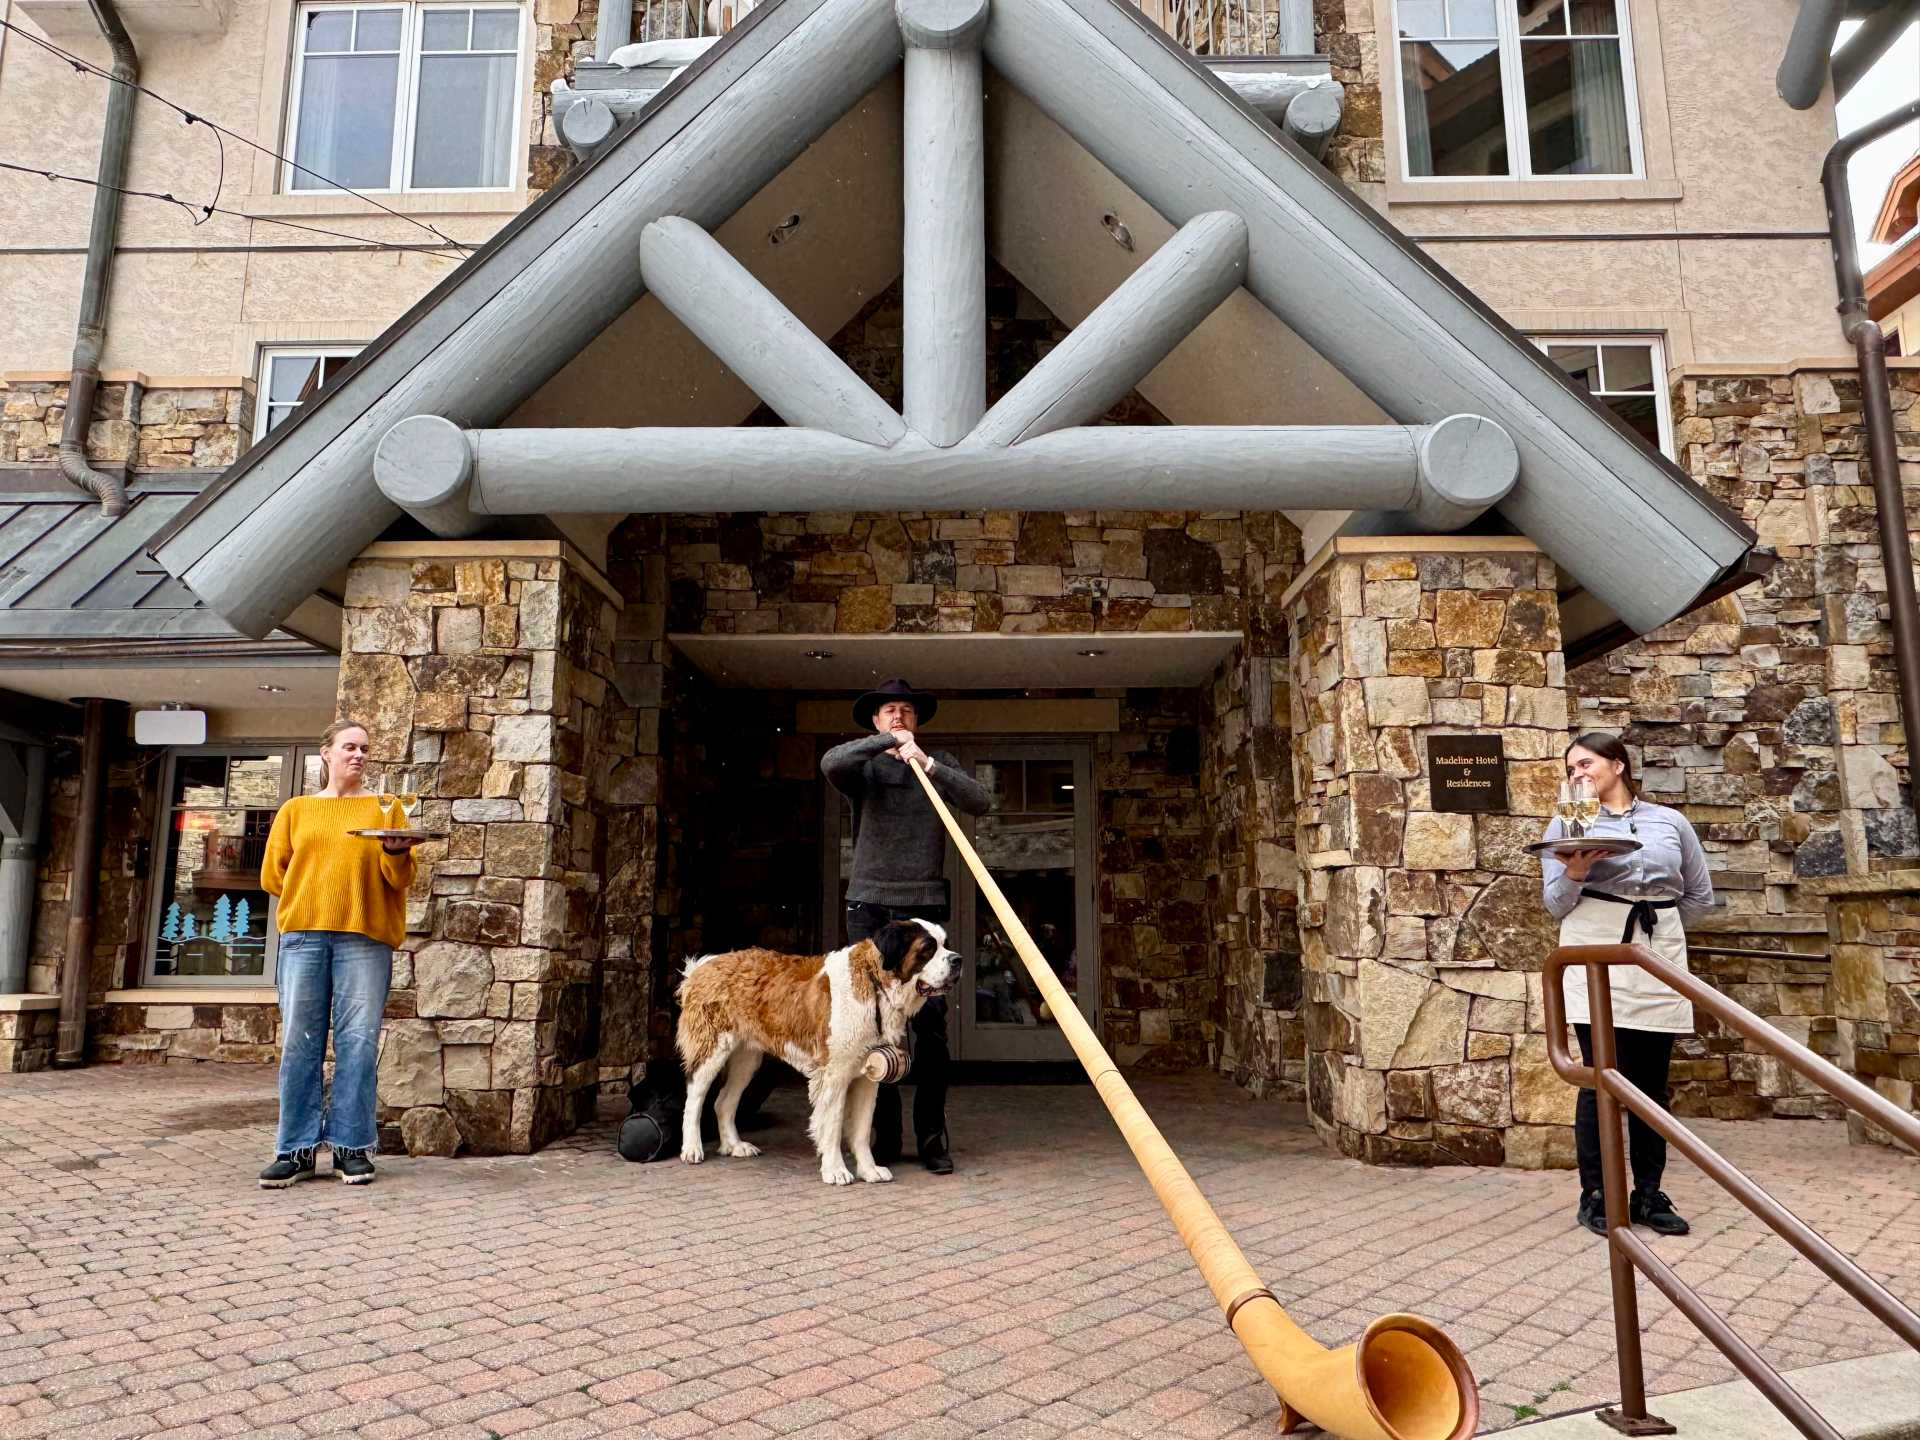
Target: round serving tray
x,y
376,833
1606,844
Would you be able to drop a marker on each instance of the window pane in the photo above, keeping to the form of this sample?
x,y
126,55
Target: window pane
x,y
254,782
1627,367
1032,856
1050,785
329,30
199,780
346,122
1472,20
1595,17
496,30
444,30
332,365
276,414
1641,412
1422,19
377,30
292,377
1001,780
1450,93
464,128
213,913
1543,17
1581,362
1576,108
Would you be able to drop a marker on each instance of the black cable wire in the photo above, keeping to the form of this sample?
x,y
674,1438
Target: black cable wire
x,y
88,67
211,210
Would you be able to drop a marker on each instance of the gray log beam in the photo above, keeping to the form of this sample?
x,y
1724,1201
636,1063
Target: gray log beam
x,y
758,338
21,812
1312,120
944,279
526,305
1447,474
1415,342
1803,68
586,124
1130,332
424,465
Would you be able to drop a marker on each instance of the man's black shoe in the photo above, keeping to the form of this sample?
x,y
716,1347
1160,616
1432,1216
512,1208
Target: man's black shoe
x,y
353,1166
287,1170
1593,1211
1654,1210
935,1155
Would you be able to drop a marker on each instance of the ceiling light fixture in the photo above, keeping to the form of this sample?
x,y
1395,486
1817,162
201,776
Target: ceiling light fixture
x,y
817,654
273,689
1090,654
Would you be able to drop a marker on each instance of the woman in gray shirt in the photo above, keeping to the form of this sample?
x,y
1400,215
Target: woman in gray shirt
x,y
1645,898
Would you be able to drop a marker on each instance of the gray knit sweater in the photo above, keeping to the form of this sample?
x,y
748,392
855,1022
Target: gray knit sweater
x,y
899,844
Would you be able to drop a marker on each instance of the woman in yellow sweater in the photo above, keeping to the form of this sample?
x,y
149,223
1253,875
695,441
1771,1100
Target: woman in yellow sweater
x,y
343,908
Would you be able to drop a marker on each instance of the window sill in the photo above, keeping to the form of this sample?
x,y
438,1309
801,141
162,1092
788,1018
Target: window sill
x,y
1528,192
339,206
193,995
11,1004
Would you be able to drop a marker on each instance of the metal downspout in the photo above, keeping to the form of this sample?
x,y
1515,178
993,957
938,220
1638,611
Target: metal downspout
x,y
90,337
1870,348
83,890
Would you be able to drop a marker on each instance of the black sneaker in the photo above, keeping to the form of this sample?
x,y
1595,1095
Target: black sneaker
x,y
287,1170
936,1156
1593,1211
1654,1210
353,1166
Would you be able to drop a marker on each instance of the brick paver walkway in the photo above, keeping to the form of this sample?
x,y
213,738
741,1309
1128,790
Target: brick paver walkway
x,y
148,1287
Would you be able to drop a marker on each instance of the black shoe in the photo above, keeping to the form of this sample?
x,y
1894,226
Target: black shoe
x,y
1654,1210
287,1170
1593,1211
936,1156
353,1166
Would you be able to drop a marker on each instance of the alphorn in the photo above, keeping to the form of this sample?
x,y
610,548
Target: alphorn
x,y
1403,1379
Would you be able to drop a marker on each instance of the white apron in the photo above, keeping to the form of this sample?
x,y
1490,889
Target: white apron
x,y
1640,1002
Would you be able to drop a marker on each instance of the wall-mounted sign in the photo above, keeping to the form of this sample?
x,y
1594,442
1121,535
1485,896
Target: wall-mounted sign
x,y
1467,772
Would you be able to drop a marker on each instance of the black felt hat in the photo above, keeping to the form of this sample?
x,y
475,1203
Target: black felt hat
x,y
923,704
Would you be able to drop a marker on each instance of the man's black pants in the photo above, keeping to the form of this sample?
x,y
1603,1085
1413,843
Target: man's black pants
x,y
932,1059
1643,1057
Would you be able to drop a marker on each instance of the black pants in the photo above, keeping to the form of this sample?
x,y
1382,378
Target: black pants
x,y
932,1059
1643,1057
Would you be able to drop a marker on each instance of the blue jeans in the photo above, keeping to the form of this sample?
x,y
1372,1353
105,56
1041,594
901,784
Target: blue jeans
x,y
343,976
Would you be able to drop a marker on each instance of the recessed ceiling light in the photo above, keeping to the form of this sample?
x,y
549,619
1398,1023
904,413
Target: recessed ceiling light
x,y
1091,654
817,654
274,689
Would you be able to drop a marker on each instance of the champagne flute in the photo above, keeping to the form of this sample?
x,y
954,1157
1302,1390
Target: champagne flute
x,y
1563,809
1586,804
409,801
387,801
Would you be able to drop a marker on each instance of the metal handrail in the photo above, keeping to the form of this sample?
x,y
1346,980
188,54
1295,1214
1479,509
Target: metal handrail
x,y
1626,1251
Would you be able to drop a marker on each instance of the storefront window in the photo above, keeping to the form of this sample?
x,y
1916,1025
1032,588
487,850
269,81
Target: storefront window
x,y
212,921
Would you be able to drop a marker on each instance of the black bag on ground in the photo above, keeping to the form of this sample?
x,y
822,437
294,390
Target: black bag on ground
x,y
651,1130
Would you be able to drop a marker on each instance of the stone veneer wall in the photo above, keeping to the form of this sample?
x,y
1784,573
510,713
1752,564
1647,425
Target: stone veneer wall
x,y
1423,933
164,428
485,678
1344,33
1770,717
1874,927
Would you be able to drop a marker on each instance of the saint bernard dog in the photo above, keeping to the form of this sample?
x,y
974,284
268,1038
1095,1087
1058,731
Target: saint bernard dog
x,y
822,1015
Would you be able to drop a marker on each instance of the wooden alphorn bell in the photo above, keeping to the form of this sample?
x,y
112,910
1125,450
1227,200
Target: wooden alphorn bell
x,y
1403,1379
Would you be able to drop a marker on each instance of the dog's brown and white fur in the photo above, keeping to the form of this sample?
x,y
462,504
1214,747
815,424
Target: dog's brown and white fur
x,y
822,1014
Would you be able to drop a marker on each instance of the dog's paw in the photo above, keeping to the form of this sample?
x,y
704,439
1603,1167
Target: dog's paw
x,y
693,1152
740,1150
835,1175
876,1175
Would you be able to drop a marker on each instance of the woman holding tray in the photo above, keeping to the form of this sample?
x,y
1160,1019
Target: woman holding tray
x,y
343,907
1644,896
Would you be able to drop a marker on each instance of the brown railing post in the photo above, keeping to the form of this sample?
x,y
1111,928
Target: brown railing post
x,y
1632,1417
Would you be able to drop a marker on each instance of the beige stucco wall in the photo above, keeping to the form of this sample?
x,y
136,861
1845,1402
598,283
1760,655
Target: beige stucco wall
x,y
1723,153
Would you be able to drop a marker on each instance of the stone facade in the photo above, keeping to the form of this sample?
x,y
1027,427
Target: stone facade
x,y
162,428
1422,932
484,676
187,1031
1344,33
27,1039
1874,992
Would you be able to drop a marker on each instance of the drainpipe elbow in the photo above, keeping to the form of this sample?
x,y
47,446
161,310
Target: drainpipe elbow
x,y
109,490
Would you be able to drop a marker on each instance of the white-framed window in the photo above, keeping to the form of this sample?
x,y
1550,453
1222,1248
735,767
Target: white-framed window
x,y
1516,89
209,922
405,97
1625,373
291,375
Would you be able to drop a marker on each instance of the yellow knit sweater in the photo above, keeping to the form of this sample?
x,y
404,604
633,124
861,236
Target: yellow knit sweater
x,y
329,880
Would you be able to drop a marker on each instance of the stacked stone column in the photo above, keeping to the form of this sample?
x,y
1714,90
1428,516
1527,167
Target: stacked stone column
x,y
1423,933
483,672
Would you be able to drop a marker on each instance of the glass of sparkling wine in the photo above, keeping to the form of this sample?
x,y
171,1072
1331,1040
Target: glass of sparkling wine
x,y
409,801
1586,804
388,803
1564,810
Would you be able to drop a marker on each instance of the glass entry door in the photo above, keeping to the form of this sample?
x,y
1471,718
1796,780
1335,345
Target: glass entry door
x,y
1037,843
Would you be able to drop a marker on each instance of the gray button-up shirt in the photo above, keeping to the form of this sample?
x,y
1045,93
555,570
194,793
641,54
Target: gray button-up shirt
x,y
1669,865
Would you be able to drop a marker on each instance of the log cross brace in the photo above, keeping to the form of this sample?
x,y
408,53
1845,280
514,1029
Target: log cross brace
x,y
1038,448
